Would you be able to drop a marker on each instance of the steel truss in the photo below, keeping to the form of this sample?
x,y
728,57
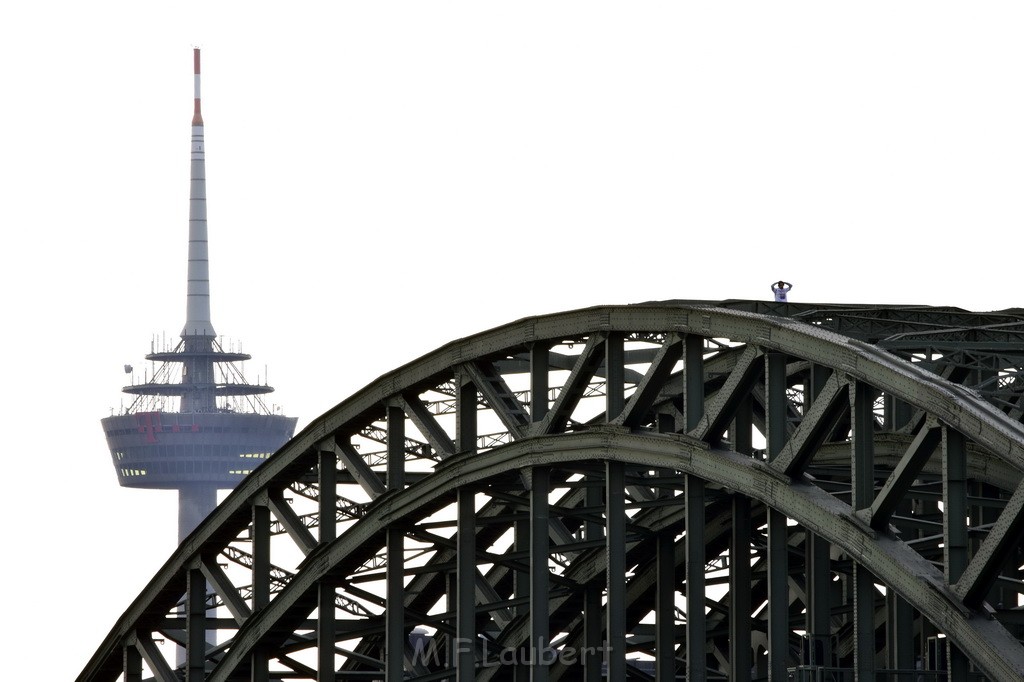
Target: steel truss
x,y
837,487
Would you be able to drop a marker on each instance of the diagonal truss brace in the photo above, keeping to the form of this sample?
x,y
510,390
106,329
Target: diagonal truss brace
x,y
721,409
984,567
573,390
368,479
499,396
647,391
427,425
902,477
817,424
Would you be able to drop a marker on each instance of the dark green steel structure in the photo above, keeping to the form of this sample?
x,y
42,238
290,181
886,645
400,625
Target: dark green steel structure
x,y
674,490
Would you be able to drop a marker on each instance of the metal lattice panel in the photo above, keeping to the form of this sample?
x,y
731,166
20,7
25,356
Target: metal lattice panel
x,y
839,488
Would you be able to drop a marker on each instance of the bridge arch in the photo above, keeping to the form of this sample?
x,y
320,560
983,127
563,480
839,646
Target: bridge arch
x,y
576,479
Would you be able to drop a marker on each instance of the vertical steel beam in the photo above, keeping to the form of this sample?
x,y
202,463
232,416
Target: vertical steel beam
x,y
954,518
819,607
326,629
540,355
863,623
615,547
394,615
777,407
778,596
260,556
862,399
465,568
465,414
665,608
615,375
131,663
195,625
666,581
593,632
819,575
741,432
900,632
954,495
540,579
740,580
693,373
776,404
696,622
326,633
328,501
522,592
396,447
452,596
593,626
862,494
260,580
897,413
817,377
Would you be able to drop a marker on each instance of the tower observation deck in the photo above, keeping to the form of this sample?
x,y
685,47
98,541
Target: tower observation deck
x,y
195,424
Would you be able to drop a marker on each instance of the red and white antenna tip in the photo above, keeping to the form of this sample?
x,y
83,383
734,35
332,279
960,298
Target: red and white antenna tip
x,y
197,117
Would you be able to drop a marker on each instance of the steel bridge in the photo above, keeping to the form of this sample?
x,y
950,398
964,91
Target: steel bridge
x,y
673,490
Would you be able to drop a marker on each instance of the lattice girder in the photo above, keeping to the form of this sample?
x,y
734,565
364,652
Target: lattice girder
x,y
910,483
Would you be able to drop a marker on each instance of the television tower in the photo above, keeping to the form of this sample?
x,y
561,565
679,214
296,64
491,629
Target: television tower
x,y
222,429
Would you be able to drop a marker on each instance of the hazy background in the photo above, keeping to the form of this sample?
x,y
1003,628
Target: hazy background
x,y
386,177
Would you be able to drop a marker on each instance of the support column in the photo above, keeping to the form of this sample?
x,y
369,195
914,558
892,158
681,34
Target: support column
x,y
819,607
465,612
665,608
396,447
522,591
615,544
778,596
539,363
819,575
776,403
540,579
777,407
742,427
465,414
195,626
131,663
693,371
326,633
696,622
740,580
862,494
666,579
326,624
394,617
260,581
593,624
954,519
900,632
395,638
615,375
328,480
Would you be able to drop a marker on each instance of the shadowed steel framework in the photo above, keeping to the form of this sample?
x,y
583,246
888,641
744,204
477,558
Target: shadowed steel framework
x,y
675,490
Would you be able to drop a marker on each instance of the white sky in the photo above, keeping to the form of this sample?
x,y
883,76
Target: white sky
x,y
386,177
